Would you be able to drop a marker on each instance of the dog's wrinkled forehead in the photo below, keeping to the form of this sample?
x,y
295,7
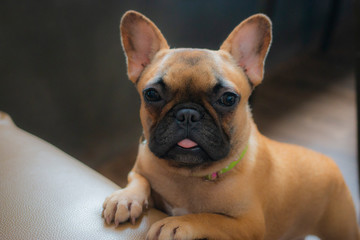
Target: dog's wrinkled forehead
x,y
194,70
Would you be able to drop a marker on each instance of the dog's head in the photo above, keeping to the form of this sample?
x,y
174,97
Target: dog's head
x,y
194,108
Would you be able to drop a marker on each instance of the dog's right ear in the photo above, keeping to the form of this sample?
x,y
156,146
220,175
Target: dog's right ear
x,y
141,40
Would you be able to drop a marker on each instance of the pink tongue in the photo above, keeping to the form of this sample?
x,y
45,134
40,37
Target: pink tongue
x,y
187,143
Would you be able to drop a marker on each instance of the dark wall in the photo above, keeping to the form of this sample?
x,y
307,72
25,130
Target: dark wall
x,y
62,70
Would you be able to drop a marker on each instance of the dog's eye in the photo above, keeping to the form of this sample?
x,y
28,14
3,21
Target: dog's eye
x,y
151,95
228,99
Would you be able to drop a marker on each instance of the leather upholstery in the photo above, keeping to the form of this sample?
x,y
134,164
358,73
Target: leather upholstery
x,y
46,194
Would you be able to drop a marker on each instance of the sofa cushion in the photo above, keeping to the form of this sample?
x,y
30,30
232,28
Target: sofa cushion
x,y
46,194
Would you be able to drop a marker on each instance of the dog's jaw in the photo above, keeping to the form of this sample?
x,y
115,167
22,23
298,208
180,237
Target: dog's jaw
x,y
189,145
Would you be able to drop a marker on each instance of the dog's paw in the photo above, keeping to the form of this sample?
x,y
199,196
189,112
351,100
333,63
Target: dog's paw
x,y
124,205
171,228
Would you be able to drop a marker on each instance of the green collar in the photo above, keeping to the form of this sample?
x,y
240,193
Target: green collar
x,y
215,175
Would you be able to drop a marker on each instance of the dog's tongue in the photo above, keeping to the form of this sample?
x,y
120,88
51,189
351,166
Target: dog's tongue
x,y
187,143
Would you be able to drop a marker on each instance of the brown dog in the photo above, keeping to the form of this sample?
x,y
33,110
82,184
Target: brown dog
x,y
202,159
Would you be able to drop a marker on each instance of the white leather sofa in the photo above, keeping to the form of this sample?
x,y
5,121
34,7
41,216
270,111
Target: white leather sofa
x,y
46,194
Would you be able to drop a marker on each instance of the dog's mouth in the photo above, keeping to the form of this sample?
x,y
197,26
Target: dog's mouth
x,y
189,152
186,153
187,144
186,141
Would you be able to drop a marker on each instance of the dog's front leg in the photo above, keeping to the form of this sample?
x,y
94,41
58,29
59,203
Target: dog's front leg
x,y
208,226
127,203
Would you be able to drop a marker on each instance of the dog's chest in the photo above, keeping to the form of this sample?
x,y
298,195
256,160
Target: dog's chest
x,y
166,202
178,199
175,208
177,211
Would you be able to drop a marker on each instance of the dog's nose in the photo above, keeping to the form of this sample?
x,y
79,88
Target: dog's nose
x,y
188,116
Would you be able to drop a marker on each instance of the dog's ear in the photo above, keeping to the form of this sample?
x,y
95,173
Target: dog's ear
x,y
249,44
141,40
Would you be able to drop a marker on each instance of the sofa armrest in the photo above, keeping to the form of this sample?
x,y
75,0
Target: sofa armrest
x,y
46,194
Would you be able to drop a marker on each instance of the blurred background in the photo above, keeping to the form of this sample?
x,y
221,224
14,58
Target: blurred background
x,y
63,73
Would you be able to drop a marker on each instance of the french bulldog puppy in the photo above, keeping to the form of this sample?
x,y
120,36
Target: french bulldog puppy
x,y
202,159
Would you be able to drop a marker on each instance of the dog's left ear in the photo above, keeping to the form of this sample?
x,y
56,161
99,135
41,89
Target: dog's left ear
x,y
249,44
